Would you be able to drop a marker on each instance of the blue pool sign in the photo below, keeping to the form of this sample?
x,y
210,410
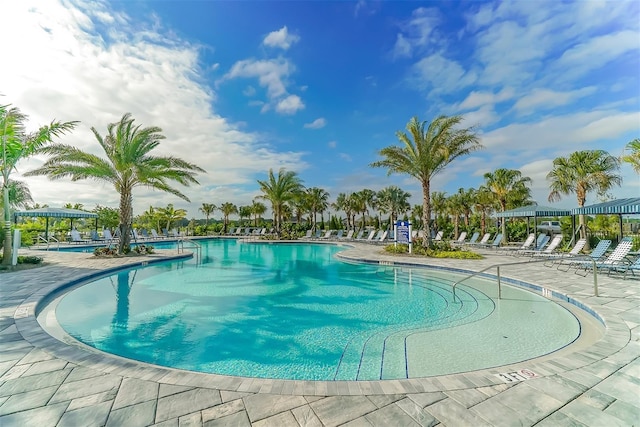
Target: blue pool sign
x,y
402,231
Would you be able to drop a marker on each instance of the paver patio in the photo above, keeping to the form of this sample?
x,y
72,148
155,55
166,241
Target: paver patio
x,y
45,382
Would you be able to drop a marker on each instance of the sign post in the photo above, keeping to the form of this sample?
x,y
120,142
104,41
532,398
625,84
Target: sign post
x,y
402,233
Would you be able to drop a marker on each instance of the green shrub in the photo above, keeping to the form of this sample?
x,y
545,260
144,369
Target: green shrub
x,y
440,250
105,251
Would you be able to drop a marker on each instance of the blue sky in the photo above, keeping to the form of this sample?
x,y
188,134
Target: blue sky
x,y
319,87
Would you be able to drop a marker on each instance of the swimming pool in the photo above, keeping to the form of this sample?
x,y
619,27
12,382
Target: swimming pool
x,y
293,311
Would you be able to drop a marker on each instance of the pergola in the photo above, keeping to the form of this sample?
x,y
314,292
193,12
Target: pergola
x,y
533,211
55,213
630,206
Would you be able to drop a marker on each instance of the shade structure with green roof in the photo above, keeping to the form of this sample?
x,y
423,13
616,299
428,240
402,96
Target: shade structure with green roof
x,y
629,206
54,213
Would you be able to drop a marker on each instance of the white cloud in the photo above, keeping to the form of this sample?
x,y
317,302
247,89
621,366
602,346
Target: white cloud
x,y
271,73
482,98
545,99
345,157
417,32
290,105
281,39
402,48
249,91
441,75
73,73
332,144
316,124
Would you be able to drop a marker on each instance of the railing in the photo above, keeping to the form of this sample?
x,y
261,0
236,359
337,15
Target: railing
x,y
497,267
181,241
48,241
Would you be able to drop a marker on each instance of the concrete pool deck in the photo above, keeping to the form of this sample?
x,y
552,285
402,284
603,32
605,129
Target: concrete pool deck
x,y
45,382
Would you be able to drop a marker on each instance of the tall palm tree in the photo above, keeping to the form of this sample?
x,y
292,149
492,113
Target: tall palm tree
x,y
484,205
416,215
426,152
18,144
129,163
507,185
438,205
394,201
364,199
467,198
317,200
207,209
634,157
455,206
581,172
244,212
342,204
227,209
279,191
257,210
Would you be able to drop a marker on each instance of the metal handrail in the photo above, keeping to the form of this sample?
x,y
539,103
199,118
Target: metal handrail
x,y
195,244
497,266
48,241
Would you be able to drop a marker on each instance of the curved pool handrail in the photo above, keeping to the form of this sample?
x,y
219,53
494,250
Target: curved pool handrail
x,y
497,267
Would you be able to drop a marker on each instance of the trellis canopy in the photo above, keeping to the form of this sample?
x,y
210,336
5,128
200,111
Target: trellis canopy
x,y
56,213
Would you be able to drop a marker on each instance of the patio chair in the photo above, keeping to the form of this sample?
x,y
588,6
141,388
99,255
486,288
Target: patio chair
x,y
523,247
349,235
461,238
596,254
473,239
550,249
74,237
108,236
359,235
495,243
339,234
483,241
95,236
439,236
615,259
155,234
308,234
559,256
541,242
626,268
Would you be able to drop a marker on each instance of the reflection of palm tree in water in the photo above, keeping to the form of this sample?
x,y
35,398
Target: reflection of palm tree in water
x,y
123,289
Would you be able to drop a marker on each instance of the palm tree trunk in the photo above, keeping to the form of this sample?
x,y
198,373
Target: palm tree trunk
x,y
426,213
6,255
125,219
503,222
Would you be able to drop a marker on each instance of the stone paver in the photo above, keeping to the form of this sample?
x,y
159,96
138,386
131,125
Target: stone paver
x,y
44,382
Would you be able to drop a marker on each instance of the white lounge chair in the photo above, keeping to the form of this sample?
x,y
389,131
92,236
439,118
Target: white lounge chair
x,y
614,260
596,254
461,238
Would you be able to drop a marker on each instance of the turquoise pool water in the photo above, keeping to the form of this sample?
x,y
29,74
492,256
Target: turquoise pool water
x,y
294,311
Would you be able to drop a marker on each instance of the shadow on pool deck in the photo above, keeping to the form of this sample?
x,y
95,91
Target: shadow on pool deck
x,y
45,382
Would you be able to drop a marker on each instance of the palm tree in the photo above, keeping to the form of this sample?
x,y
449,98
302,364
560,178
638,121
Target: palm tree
x,y
507,186
244,212
342,204
438,205
427,153
171,214
484,205
129,164
207,209
394,201
467,198
364,199
227,209
317,200
19,195
416,215
581,172
17,144
257,210
455,205
634,157
279,191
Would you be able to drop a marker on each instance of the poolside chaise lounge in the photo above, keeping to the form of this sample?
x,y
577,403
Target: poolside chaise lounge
x,y
438,237
95,236
626,268
596,254
559,256
74,237
495,243
548,250
483,241
474,239
461,238
615,259
523,247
